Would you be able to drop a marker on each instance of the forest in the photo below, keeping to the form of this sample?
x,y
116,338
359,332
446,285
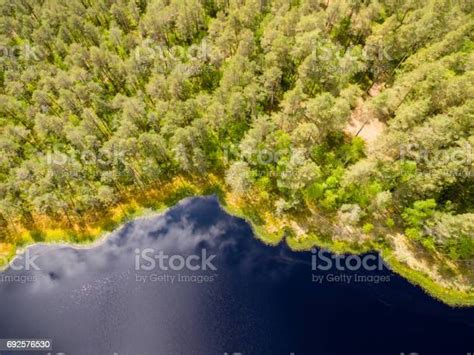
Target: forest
x,y
104,100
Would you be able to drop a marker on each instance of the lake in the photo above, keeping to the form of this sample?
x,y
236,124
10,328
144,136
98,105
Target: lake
x,y
195,280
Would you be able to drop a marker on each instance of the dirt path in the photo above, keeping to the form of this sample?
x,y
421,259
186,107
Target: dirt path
x,y
362,123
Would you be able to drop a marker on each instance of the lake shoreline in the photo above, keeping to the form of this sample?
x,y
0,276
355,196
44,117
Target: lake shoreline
x,y
452,297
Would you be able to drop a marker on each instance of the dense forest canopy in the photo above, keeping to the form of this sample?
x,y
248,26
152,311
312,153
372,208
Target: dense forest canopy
x,y
98,97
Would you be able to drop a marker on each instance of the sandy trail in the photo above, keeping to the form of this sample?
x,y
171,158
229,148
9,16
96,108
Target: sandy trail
x,y
362,122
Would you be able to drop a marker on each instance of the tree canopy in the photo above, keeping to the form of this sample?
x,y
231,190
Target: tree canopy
x,y
98,97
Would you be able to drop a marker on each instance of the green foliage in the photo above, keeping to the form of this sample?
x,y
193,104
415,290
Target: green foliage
x,y
413,233
389,222
421,211
463,248
102,98
314,192
367,228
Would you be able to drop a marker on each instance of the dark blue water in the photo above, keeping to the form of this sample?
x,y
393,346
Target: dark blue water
x,y
259,300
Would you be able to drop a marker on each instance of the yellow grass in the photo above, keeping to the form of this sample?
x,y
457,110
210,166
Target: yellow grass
x,y
268,227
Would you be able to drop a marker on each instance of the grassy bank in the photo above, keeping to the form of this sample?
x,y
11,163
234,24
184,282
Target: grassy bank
x,y
266,226
450,296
